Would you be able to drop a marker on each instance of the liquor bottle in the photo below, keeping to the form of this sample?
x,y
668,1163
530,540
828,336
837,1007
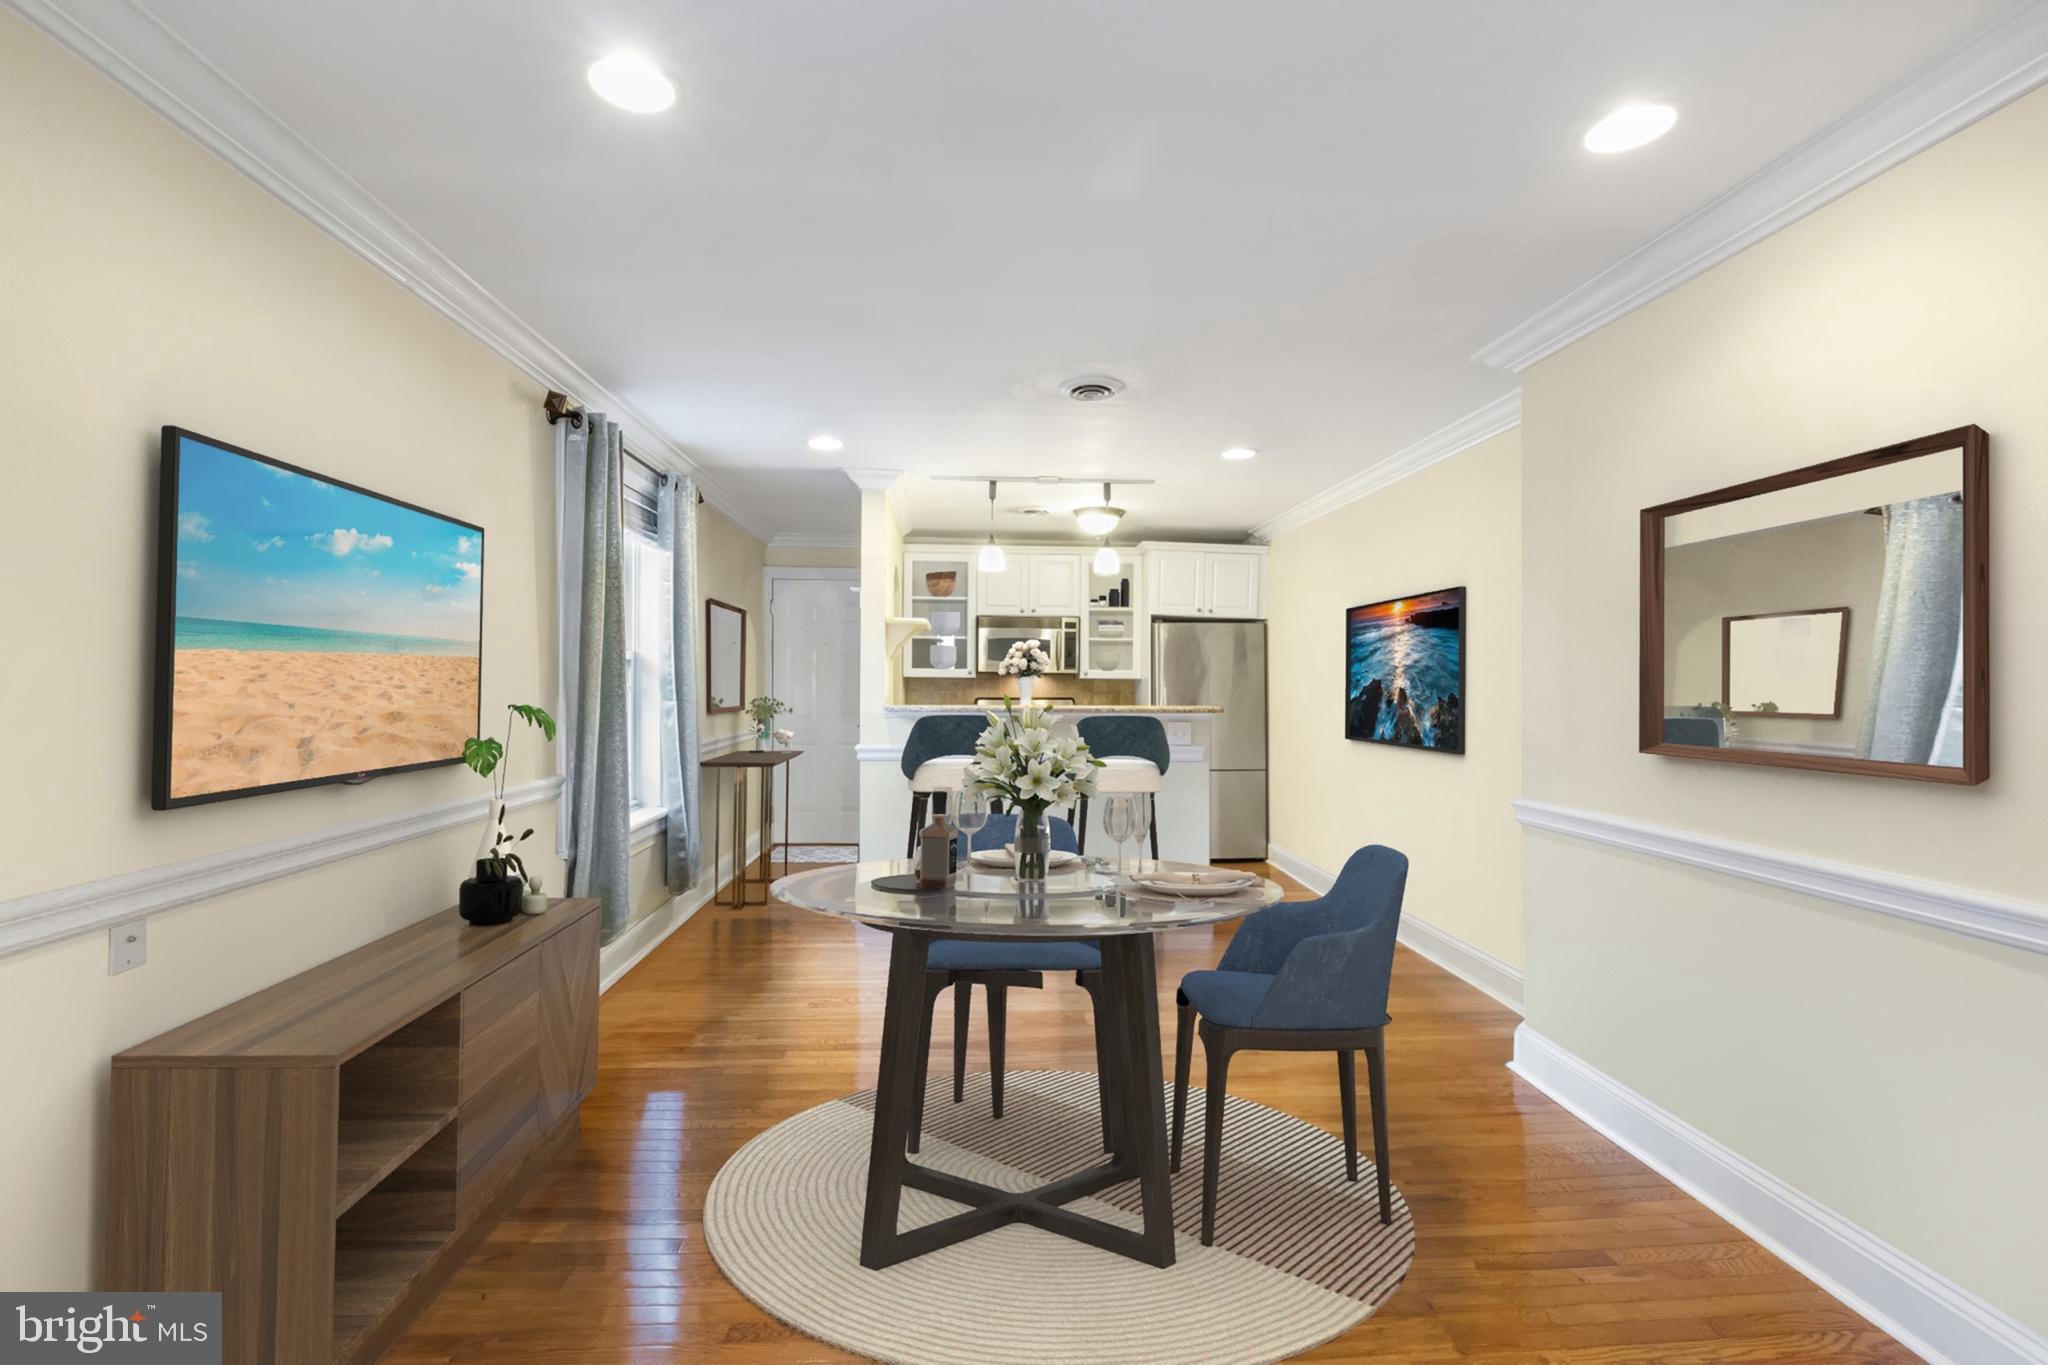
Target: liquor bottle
x,y
935,854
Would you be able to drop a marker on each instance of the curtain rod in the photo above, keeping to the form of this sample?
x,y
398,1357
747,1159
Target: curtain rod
x,y
558,406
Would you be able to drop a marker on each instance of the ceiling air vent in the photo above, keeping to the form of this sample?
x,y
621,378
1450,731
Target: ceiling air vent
x,y
1094,388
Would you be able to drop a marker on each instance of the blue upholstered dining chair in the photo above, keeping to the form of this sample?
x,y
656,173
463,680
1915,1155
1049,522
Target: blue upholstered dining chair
x,y
1311,976
935,759
997,966
1135,755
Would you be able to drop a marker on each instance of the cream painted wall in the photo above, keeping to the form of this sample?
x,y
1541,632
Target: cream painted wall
x,y
1889,1070
881,675
1457,522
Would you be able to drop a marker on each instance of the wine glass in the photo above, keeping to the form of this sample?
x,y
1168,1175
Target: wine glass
x,y
1120,822
970,814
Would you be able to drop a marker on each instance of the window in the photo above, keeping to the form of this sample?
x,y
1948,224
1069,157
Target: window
x,y
649,590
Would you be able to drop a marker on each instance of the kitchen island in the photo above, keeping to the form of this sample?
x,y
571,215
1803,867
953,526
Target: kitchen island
x,y
1183,799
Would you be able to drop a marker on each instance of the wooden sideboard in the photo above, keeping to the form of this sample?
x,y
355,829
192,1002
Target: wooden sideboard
x,y
325,1152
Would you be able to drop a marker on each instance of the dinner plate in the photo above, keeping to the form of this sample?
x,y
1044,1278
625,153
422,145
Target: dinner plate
x,y
1195,883
1002,857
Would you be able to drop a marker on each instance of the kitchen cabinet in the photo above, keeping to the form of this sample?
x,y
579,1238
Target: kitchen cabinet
x,y
1030,583
1187,580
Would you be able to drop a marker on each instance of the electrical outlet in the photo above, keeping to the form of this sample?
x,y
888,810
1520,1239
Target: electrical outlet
x,y
127,946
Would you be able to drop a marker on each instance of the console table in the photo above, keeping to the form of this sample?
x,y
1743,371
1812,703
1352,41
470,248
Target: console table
x,y
741,763
325,1152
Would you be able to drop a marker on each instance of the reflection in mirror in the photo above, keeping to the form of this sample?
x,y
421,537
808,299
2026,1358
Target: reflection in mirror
x,y
725,656
1824,618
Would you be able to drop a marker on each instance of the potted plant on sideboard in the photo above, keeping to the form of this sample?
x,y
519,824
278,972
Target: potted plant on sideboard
x,y
497,892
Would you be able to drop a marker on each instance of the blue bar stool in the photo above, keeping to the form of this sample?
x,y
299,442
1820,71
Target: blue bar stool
x,y
935,760
1135,756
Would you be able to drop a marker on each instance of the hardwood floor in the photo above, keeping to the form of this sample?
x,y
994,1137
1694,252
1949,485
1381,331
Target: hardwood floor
x,y
1538,1240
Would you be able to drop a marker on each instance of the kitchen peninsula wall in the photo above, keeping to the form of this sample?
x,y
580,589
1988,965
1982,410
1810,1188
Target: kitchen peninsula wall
x,y
964,691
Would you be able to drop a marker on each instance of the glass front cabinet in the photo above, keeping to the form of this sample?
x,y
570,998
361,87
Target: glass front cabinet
x,y
938,584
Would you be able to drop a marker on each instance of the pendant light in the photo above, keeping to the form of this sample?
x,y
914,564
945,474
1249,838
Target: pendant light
x,y
1107,561
1101,519
991,554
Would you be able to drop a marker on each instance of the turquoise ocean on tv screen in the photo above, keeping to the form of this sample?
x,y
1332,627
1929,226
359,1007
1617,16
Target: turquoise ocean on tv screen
x,y
195,632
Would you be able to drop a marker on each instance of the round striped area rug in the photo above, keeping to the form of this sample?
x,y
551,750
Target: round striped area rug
x,y
1300,1253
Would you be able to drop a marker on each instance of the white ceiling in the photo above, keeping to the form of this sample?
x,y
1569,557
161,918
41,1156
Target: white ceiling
x,y
1285,224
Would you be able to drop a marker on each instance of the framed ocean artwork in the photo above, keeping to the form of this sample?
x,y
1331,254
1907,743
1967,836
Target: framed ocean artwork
x,y
1404,671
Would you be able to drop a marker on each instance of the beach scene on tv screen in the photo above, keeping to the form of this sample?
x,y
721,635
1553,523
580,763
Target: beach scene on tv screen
x,y
319,632
1403,671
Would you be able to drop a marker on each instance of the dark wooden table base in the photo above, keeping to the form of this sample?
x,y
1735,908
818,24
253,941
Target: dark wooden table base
x,y
1129,1021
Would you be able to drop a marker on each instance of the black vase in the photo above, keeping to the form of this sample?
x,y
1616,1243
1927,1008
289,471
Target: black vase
x,y
490,900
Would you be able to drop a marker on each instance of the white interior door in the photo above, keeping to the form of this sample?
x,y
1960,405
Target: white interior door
x,y
813,660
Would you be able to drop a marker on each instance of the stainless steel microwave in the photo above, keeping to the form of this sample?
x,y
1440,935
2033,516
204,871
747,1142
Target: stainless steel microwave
x,y
1060,636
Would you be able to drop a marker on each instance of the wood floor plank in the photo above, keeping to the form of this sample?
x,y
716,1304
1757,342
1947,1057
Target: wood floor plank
x,y
1539,1242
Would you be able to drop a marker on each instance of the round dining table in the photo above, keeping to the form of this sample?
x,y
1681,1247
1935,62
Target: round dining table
x,y
1086,900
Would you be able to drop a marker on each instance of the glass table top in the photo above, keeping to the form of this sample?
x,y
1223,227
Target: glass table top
x,y
1079,902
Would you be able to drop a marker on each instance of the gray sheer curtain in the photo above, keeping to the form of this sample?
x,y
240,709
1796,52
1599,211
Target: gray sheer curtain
x,y
676,517
596,801
1919,624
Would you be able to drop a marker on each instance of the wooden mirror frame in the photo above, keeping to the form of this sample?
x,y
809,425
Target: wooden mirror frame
x,y
1976,489
739,703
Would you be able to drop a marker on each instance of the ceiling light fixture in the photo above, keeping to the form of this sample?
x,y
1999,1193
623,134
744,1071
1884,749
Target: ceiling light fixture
x,y
1107,561
825,444
1099,520
631,82
991,560
1239,453
1630,127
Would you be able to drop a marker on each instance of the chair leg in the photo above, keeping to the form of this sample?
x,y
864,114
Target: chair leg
x,y
998,1018
1376,1080
1091,982
1347,1089
917,800
1183,1059
932,987
963,996
1212,1124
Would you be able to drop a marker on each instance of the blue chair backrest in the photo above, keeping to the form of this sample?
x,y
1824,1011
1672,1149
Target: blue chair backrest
x,y
1127,737
1694,730
940,737
1343,981
1001,829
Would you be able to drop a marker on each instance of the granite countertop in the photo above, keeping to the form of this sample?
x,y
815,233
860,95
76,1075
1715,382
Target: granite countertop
x,y
967,708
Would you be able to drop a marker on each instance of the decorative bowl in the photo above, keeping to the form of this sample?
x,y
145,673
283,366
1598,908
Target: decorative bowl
x,y
941,584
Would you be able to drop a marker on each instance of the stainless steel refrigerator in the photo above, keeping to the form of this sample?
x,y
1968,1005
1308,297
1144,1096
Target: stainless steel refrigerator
x,y
1222,663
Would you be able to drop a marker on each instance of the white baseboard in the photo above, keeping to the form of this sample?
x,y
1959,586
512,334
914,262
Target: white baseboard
x,y
650,931
1931,1314
1472,965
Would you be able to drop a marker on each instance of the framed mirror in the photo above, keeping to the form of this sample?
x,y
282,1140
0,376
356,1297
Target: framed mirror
x,y
1835,617
725,656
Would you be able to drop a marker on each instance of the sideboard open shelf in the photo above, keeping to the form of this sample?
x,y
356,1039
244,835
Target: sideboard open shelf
x,y
326,1151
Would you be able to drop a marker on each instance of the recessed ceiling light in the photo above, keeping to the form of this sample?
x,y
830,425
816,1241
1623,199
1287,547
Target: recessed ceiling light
x,y
1630,127
827,444
1239,453
631,82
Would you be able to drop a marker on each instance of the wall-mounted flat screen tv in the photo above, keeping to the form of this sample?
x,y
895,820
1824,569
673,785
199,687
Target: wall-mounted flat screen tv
x,y
308,631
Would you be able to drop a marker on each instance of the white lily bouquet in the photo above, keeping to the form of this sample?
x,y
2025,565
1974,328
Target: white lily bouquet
x,y
1021,760
1026,659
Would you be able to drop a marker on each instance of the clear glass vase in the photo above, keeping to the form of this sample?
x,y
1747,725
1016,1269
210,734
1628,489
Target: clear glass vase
x,y
1034,842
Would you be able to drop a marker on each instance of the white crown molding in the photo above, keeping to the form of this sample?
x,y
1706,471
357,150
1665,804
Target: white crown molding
x,y
1999,919
48,916
1474,966
1502,414
1997,66
1931,1314
139,53
800,540
873,480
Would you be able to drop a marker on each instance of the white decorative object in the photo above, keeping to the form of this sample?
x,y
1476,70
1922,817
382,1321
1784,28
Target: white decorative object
x,y
1025,661
1025,682
535,901
944,655
785,737
494,829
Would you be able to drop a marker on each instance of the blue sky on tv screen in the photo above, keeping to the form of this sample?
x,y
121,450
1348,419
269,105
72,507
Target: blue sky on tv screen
x,y
263,545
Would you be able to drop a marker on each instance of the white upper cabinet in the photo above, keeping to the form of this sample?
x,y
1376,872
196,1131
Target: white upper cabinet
x,y
1193,581
1176,578
1231,582
1055,584
1031,583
